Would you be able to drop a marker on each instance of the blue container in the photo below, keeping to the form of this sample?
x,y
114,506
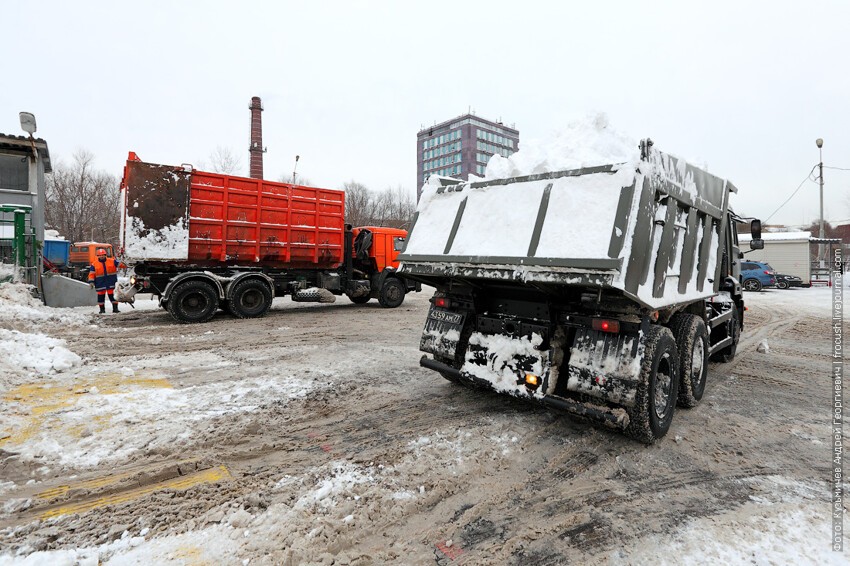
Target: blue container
x,y
57,252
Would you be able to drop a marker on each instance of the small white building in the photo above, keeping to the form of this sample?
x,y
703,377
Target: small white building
x,y
786,252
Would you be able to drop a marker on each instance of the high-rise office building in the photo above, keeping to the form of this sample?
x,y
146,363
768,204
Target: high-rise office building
x,y
461,146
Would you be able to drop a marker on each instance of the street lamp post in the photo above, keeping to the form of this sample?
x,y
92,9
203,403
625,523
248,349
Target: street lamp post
x,y
819,143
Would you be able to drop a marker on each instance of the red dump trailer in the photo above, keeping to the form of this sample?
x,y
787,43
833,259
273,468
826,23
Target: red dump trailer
x,y
206,241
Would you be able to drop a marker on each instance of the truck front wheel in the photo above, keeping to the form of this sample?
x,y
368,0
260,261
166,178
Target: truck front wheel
x,y
392,293
655,401
692,342
250,298
193,301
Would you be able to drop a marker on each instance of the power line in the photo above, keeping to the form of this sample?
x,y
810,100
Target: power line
x,y
837,168
808,178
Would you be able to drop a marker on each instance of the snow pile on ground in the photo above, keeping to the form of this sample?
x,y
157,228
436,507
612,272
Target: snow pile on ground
x,y
19,309
35,352
25,353
584,142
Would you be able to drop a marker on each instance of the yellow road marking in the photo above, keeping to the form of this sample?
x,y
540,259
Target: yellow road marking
x,y
87,484
211,475
41,401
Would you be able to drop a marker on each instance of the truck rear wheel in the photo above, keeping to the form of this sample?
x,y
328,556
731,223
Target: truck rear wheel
x,y
193,301
392,293
692,342
655,401
250,298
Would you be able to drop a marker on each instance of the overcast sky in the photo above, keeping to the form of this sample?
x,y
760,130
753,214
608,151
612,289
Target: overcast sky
x,y
744,87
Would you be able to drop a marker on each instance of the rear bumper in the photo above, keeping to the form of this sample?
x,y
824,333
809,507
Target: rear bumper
x,y
612,418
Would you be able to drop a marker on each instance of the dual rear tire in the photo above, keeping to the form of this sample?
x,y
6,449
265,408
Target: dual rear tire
x,y
655,400
196,300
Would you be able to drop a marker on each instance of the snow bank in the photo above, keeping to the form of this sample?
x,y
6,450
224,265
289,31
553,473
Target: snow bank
x,y
585,142
18,308
35,352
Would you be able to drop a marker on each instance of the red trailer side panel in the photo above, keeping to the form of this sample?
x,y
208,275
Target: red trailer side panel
x,y
236,220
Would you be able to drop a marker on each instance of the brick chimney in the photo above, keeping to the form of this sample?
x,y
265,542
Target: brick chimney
x,y
256,148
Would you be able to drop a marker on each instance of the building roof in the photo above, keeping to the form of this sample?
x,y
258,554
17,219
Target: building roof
x,y
23,143
435,127
779,237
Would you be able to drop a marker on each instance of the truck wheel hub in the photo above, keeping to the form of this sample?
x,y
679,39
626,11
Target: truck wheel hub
x,y
663,384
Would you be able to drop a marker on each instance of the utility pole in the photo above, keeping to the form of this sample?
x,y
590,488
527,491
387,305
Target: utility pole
x,y
819,143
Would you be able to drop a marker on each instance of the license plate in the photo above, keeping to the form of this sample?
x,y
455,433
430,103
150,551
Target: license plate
x,y
445,316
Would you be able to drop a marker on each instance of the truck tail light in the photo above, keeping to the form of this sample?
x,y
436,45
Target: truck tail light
x,y
442,302
606,325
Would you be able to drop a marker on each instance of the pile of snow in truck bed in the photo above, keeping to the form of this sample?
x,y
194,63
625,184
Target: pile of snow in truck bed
x,y
585,142
168,243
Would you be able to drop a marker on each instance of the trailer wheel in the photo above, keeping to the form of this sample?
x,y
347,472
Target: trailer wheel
x,y
655,401
692,342
392,293
359,300
752,285
727,354
250,298
193,301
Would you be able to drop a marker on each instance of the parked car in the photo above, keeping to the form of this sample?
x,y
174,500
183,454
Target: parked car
x,y
784,281
756,275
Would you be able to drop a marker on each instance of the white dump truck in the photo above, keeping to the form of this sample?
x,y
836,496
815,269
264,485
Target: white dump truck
x,y
601,291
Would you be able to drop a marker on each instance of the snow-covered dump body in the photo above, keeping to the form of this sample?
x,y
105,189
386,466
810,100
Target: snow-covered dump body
x,y
584,289
650,230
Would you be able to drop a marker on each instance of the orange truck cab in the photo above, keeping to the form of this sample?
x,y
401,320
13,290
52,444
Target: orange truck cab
x,y
84,254
375,257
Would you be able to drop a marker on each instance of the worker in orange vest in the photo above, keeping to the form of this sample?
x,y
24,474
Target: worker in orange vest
x,y
103,275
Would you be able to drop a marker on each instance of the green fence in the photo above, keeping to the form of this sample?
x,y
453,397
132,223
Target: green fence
x,y
18,243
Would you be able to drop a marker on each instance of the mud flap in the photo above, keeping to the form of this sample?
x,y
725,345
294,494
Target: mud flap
x,y
504,362
442,333
605,366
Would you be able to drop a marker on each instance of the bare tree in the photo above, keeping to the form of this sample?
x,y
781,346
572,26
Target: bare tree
x,y
82,202
393,207
225,160
359,204
299,180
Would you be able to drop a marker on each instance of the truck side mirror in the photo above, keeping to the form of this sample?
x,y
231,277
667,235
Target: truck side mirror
x,y
757,244
755,230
